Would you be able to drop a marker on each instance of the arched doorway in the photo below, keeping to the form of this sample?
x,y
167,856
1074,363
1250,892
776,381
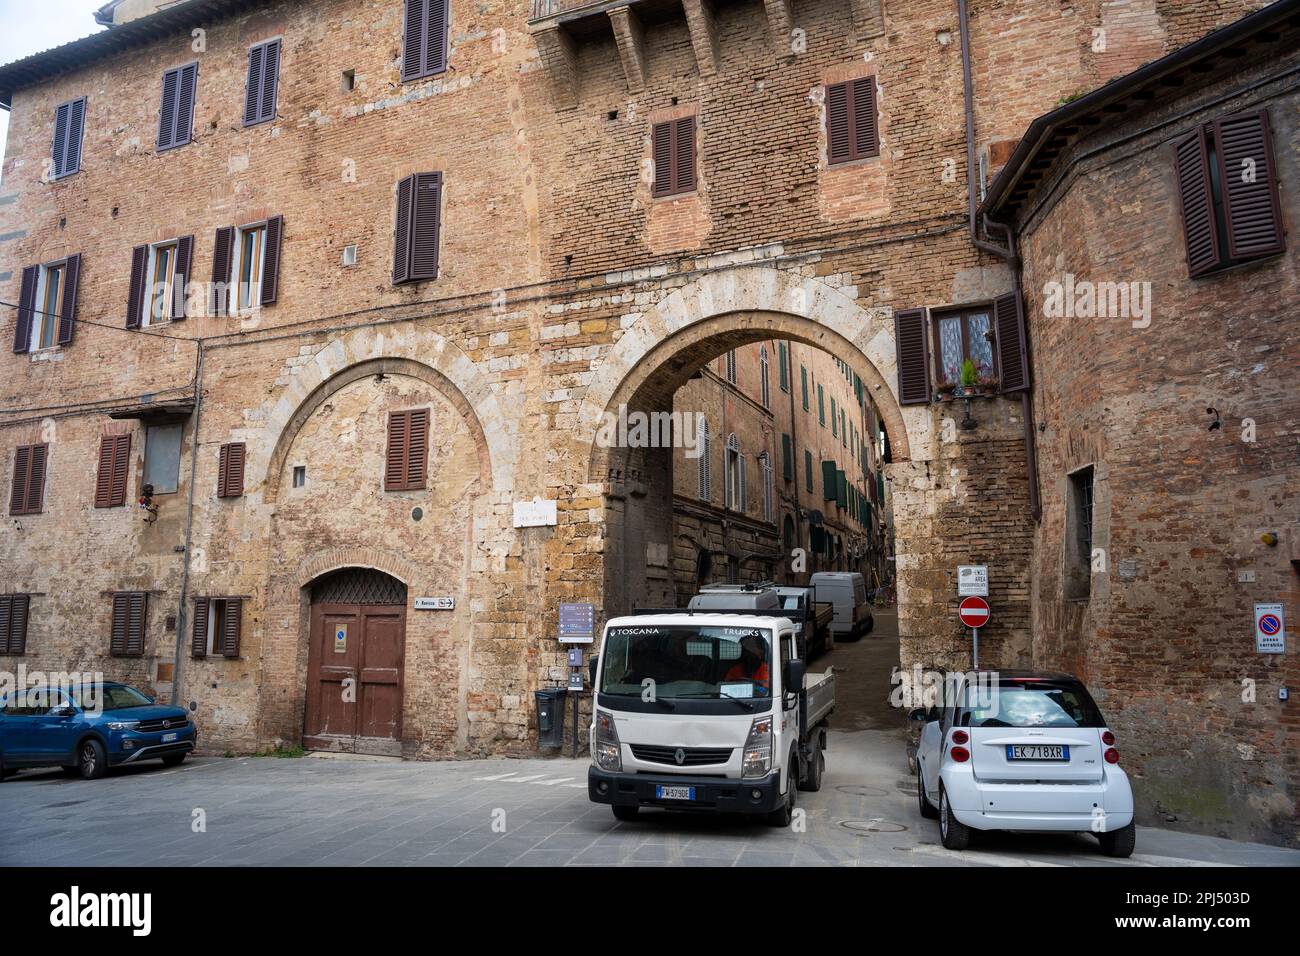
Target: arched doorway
x,y
356,663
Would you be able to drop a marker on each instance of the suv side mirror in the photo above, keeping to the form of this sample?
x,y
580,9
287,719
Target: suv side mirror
x,y
591,670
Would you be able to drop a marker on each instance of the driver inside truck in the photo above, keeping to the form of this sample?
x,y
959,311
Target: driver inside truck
x,y
752,666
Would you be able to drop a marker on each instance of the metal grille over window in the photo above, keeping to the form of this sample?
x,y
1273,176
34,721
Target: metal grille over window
x,y
358,586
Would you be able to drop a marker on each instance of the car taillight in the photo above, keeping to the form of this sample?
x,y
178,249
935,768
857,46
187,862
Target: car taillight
x,y
1108,738
960,736
1111,755
959,754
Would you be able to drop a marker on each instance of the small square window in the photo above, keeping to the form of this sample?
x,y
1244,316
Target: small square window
x,y
162,457
349,82
350,255
299,476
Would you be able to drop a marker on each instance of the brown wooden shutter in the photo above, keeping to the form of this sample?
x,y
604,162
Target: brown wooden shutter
x,y
26,303
866,132
425,225
222,250
424,39
662,154
230,470
684,155
399,424
839,133
18,488
135,292
913,357
417,447
68,316
185,104
263,79
76,125
60,148
1196,204
110,481
230,632
127,634
1013,346
253,88
402,238
270,80
36,479
1252,208
13,623
199,633
435,47
271,261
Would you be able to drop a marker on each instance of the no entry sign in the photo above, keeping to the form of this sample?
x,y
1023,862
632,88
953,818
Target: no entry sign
x,y
974,611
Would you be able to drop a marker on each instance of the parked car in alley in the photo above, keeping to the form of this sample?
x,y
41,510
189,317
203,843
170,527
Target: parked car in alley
x,y
1021,750
87,730
846,591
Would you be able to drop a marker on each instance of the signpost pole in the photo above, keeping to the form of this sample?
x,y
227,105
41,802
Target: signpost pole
x,y
975,648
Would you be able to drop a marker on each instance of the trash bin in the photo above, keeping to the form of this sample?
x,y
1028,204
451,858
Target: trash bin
x,y
550,716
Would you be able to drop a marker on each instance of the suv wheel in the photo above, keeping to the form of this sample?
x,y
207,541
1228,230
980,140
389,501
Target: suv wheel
x,y
91,761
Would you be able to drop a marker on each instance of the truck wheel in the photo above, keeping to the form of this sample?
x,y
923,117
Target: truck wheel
x,y
625,813
954,834
782,816
927,808
816,767
1119,842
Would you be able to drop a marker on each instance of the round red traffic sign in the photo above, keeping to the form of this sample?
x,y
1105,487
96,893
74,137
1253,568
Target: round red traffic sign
x,y
974,611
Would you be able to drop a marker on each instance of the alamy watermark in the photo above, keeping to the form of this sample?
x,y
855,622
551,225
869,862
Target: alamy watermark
x,y
1084,299
637,429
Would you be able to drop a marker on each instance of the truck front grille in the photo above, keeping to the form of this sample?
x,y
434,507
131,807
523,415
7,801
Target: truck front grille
x,y
691,756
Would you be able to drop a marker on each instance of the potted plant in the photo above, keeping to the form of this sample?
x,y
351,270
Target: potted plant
x,y
968,376
945,391
986,382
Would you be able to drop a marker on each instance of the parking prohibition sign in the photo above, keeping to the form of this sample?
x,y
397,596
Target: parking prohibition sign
x,y
974,611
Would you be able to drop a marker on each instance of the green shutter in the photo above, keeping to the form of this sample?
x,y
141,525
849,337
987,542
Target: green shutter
x,y
828,480
787,458
803,381
784,362
808,469
841,489
821,407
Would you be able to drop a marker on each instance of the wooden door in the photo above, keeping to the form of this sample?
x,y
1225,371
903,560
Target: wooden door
x,y
354,678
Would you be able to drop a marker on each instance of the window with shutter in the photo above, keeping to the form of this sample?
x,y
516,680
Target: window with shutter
x,y
673,153
852,122
424,39
913,357
418,224
111,478
27,492
13,623
705,490
230,470
199,633
217,625
787,457
405,465
135,293
808,470
219,291
176,112
127,630
69,121
829,490
26,304
1228,193
263,78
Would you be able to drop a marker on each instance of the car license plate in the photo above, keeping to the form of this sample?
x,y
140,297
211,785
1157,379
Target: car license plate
x,y
1038,752
674,793
168,738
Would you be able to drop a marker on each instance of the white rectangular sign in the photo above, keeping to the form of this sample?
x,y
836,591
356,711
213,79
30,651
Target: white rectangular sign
x,y
1270,629
972,580
535,514
435,603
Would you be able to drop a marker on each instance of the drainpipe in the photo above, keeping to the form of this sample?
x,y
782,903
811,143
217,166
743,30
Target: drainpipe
x,y
1007,253
179,659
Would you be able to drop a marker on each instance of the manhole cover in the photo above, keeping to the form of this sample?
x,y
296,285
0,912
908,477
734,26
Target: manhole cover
x,y
861,791
872,826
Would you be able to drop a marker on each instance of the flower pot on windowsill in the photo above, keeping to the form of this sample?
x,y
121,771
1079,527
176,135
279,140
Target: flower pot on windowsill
x,y
946,393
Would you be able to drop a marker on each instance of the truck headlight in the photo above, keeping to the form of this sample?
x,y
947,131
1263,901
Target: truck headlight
x,y
758,749
607,754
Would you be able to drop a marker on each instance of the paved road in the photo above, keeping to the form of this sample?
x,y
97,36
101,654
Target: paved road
x,y
350,811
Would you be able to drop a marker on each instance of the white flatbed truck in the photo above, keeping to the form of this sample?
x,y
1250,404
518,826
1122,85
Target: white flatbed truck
x,y
706,710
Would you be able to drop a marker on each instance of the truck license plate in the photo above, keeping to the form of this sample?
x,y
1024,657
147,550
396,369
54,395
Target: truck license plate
x,y
674,793
168,738
1038,752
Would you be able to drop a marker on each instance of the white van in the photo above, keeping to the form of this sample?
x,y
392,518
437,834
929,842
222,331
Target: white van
x,y
847,592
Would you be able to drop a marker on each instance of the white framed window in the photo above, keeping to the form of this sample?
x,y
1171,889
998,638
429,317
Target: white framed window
x,y
764,388
247,265
766,461
734,474
731,366
216,626
50,287
160,280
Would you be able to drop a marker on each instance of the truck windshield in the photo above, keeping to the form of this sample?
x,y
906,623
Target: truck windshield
x,y
687,661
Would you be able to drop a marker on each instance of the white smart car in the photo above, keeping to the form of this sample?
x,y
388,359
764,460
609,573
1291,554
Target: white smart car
x,y
1021,750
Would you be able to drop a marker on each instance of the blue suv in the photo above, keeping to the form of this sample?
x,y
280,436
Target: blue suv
x,y
118,725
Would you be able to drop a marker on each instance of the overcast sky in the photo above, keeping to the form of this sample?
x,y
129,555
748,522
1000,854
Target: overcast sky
x,y
30,26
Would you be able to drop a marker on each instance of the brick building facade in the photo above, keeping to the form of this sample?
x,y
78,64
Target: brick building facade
x,y
517,224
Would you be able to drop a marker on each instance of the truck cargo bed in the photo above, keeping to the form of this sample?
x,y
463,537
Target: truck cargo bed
x,y
819,691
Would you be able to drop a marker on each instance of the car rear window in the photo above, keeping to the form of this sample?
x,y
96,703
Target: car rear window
x,y
1033,704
